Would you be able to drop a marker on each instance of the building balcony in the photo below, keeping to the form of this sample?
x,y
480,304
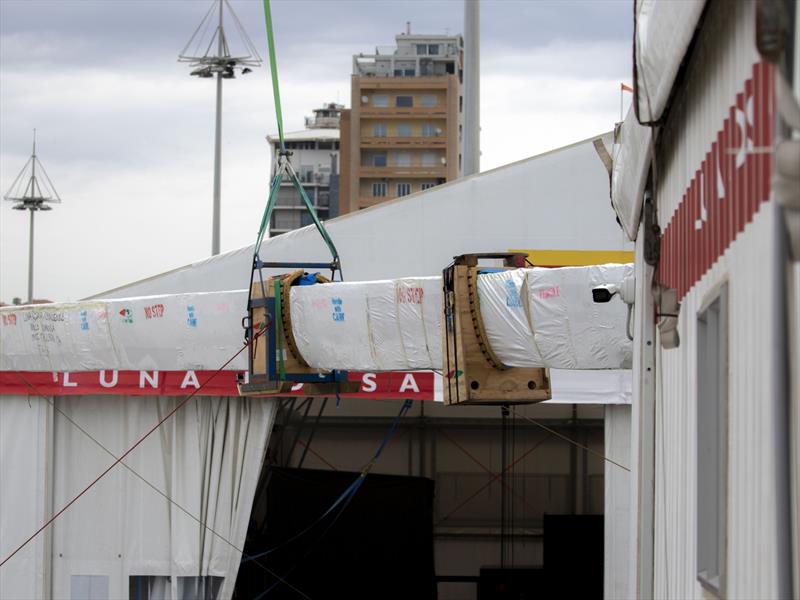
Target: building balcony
x,y
416,141
403,112
395,172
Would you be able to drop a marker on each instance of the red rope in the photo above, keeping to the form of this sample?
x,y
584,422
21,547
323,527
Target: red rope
x,y
131,449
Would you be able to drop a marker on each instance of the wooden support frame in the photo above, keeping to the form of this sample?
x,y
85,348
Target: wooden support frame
x,y
472,372
276,341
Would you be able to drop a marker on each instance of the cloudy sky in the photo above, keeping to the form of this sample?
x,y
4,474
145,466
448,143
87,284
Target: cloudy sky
x,y
126,134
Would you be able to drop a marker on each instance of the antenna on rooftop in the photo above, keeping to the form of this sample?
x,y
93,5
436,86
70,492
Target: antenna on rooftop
x,y
208,53
32,191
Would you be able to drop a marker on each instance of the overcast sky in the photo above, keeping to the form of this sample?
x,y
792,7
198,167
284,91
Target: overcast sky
x,y
126,134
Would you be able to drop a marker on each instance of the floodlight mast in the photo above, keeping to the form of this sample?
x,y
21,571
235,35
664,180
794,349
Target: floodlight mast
x,y
224,66
31,193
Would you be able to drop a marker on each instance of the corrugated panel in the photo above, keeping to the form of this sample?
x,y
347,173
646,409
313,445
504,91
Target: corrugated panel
x,y
720,130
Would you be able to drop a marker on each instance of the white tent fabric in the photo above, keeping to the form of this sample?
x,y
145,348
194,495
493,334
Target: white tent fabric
x,y
631,164
554,201
206,458
663,31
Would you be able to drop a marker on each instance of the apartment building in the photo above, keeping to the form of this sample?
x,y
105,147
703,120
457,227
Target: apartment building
x,y
402,134
315,157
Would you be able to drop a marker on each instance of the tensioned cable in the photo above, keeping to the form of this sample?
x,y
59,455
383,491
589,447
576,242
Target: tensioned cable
x,y
133,471
566,439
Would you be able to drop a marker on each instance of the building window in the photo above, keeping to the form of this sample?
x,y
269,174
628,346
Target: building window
x,y
380,100
286,219
398,72
433,49
306,173
429,100
88,587
461,104
426,186
379,159
379,189
712,443
404,129
409,72
403,159
379,130
404,101
422,49
403,189
428,159
288,196
429,130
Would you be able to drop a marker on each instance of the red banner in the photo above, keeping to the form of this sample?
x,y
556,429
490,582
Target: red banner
x,y
380,386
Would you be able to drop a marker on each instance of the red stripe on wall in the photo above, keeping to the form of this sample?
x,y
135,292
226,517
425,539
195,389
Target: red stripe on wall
x,y
731,183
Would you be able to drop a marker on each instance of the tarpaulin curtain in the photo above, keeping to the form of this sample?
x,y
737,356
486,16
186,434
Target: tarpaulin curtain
x,y
207,458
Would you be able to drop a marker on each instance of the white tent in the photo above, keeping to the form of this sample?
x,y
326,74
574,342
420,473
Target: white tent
x,y
122,535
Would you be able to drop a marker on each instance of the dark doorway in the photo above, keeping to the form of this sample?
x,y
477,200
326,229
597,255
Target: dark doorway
x,y
379,546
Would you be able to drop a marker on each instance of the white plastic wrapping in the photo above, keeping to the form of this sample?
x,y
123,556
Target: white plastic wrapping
x,y
565,328
176,332
532,317
389,325
631,164
663,32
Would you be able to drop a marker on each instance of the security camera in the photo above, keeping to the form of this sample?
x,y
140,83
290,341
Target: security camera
x,y
626,290
604,293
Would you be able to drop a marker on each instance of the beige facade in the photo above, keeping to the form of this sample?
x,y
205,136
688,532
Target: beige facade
x,y
403,131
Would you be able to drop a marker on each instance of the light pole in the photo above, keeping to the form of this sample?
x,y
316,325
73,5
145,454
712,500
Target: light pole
x,y
32,192
223,64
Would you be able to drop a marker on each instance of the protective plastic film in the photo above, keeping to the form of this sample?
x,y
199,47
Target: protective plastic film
x,y
390,325
547,317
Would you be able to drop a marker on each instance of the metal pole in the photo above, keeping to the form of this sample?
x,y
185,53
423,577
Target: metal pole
x,y
472,89
30,260
217,148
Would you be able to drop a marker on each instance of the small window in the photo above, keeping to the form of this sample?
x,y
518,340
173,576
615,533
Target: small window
x,y
712,443
433,49
404,101
149,587
428,159
203,587
422,49
398,72
379,189
404,130
429,100
429,130
306,173
409,72
403,189
379,159
403,159
379,130
426,186
380,100
88,587
286,219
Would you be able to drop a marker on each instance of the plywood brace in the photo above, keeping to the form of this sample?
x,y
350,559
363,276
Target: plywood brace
x,y
275,364
473,374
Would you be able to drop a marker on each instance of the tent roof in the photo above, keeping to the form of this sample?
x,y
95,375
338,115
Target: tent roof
x,y
557,201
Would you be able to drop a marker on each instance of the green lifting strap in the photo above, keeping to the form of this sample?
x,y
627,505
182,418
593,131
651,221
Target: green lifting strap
x,y
284,168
